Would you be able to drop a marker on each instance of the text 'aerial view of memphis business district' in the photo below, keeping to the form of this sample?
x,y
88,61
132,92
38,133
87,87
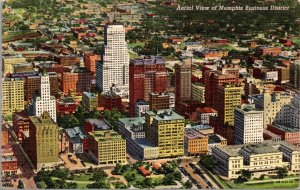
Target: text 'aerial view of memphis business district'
x,y
160,94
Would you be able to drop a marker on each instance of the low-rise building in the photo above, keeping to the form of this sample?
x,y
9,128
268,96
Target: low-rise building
x,y
215,140
90,100
134,131
287,133
268,135
107,147
78,142
92,125
260,159
109,101
65,105
141,107
203,114
195,143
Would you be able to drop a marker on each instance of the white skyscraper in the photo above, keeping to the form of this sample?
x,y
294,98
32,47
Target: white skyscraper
x,y
248,124
45,102
113,70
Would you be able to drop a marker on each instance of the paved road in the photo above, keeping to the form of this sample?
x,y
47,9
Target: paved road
x,y
196,177
215,186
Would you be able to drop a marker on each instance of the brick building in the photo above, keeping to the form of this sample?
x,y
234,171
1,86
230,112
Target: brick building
x,y
159,101
21,124
78,80
32,83
287,133
90,60
273,51
108,101
69,60
145,76
65,105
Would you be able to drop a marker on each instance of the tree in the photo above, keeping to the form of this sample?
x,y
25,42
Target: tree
x,y
281,172
188,184
99,185
148,183
120,185
72,185
240,179
177,176
99,175
168,179
207,161
90,170
20,184
118,169
246,174
112,117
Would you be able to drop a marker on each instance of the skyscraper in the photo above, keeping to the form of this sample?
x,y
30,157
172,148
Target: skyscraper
x,y
44,102
113,69
183,81
42,144
248,124
229,97
165,129
276,106
12,95
295,74
146,76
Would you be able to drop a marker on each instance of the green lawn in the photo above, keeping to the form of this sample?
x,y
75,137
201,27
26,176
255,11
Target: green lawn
x,y
133,56
138,178
132,45
85,177
81,185
289,185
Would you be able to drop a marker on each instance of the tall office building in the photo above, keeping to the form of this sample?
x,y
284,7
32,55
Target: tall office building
x,y
229,97
12,95
32,81
248,124
113,69
165,129
295,74
275,106
183,81
42,144
44,102
146,76
215,78
107,147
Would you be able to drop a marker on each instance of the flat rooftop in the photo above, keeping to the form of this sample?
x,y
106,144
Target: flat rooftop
x,y
192,134
99,124
268,146
106,135
259,149
144,143
76,132
148,60
132,121
90,95
215,138
165,115
286,128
